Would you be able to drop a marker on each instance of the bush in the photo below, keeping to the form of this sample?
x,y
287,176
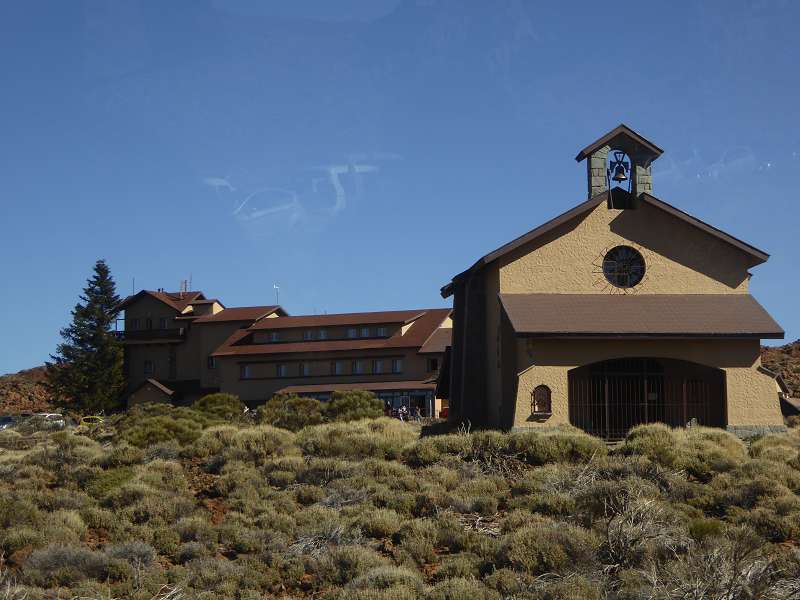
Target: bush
x,y
548,546
460,588
381,438
353,405
156,430
138,554
290,411
342,564
106,481
386,578
559,446
465,565
380,522
64,565
225,407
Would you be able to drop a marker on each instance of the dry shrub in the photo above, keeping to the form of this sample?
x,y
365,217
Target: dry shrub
x,y
64,565
380,522
214,440
340,565
548,546
417,539
290,411
568,445
353,405
379,438
258,444
463,565
460,588
386,578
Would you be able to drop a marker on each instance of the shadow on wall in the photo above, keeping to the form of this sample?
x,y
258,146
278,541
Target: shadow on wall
x,y
693,250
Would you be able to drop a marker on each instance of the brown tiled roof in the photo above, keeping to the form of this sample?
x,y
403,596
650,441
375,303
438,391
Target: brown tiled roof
x,y
177,300
420,330
341,319
639,315
757,256
240,313
374,386
438,341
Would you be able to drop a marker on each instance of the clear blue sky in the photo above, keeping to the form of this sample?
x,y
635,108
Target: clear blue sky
x,y
360,153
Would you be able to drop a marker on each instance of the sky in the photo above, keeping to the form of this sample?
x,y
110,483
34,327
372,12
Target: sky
x,y
359,153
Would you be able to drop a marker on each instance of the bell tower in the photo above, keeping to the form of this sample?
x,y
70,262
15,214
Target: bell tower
x,y
620,163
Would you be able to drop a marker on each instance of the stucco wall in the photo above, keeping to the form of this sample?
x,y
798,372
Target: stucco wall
x,y
751,398
680,259
147,394
264,383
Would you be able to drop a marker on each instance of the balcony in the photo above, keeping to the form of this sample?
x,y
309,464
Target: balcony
x,y
151,335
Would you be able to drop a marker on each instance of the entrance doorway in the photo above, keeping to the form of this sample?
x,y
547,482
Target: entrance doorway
x,y
607,398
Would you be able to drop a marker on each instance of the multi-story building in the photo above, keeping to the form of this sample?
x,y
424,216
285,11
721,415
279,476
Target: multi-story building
x,y
180,346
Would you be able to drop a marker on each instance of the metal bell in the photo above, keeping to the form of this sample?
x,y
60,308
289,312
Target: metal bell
x,y
619,174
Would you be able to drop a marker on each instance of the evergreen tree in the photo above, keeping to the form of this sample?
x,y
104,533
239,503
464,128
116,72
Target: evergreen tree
x,y
86,372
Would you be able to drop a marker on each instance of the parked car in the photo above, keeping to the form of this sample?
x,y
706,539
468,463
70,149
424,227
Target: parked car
x,y
9,421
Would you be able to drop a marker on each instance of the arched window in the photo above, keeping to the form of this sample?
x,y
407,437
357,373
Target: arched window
x,y
540,400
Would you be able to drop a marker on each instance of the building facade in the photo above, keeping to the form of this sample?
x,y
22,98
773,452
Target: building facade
x,y
180,346
622,310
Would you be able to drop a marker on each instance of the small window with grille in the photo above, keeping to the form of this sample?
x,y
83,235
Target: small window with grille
x,y
540,400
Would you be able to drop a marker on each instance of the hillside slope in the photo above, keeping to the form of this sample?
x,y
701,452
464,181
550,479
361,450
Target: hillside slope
x,y
24,392
784,360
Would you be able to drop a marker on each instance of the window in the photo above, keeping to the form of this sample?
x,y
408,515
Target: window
x,y
358,367
433,365
540,400
134,324
308,334
352,332
163,323
149,367
337,367
282,370
377,366
245,372
397,365
365,332
623,266
212,362
323,334
274,336
381,332
306,369
149,323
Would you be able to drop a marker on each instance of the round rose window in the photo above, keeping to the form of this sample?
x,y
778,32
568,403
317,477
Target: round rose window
x,y
623,266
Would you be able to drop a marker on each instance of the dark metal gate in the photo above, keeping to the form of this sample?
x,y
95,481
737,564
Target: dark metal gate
x,y
606,399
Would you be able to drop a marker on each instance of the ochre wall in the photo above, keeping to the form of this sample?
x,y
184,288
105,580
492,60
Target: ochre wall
x,y
751,396
680,259
149,307
265,383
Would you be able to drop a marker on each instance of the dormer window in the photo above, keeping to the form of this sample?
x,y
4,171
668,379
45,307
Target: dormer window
x,y
323,334
365,332
274,336
352,333
381,332
308,334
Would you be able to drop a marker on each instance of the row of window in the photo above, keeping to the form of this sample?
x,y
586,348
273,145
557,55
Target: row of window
x,y
352,333
136,324
337,367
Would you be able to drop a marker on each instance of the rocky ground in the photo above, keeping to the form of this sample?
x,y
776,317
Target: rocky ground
x,y
24,392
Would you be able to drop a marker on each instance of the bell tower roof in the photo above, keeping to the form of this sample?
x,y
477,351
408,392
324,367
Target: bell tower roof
x,y
625,138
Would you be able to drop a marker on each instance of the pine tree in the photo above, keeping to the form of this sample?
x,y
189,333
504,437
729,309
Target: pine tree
x,y
86,372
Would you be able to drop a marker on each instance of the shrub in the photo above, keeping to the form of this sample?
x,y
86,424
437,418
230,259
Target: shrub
x,y
225,407
460,588
106,481
64,565
353,405
417,538
290,411
385,578
548,546
381,438
655,441
342,564
380,522
134,553
156,430
558,446
464,565
257,444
